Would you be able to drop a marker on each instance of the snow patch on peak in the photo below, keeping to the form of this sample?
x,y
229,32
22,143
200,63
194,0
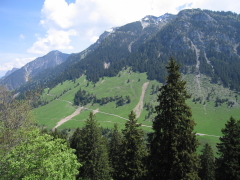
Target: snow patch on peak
x,y
147,20
110,30
145,24
163,17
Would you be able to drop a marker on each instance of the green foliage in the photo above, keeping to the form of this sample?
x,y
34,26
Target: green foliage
x,y
40,157
207,171
173,143
82,98
133,151
91,150
15,120
228,164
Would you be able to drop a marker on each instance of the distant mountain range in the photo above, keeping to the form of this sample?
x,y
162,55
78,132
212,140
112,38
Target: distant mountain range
x,y
203,41
17,77
10,71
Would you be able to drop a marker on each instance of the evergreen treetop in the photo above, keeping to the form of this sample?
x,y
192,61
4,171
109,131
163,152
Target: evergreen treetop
x,y
133,151
115,152
173,143
91,150
228,164
207,171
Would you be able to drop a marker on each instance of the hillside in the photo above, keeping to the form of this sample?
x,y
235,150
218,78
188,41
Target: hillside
x,y
11,71
203,41
20,76
210,113
125,68
113,45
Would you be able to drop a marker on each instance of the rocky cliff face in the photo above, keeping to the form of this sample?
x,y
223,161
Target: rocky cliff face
x,y
24,74
203,41
112,45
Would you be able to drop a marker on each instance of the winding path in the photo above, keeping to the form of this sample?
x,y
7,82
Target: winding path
x,y
78,110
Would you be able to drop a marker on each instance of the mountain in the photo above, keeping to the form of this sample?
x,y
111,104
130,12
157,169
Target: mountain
x,y
11,71
31,69
113,45
46,77
203,41
126,67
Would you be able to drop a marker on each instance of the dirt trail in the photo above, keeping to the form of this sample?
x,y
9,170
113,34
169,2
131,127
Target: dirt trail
x,y
78,110
199,134
139,107
95,111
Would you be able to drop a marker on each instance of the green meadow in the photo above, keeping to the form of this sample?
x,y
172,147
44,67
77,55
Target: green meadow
x,y
209,117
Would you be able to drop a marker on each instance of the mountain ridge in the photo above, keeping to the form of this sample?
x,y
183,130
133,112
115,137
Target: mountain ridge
x,y
203,41
31,69
10,71
132,35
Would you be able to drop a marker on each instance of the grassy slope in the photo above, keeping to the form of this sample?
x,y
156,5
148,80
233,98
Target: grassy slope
x,y
210,119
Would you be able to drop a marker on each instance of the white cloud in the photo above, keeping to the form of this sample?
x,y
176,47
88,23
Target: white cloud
x,y
55,39
63,21
59,13
17,63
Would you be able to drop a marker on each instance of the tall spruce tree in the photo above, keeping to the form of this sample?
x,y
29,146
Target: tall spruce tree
x,y
115,152
91,150
207,171
133,151
173,143
228,163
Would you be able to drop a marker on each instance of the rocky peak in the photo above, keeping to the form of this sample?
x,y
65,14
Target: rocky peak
x,y
11,71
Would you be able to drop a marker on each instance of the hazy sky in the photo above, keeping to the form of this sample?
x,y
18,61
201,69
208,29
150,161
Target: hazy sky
x,y
32,28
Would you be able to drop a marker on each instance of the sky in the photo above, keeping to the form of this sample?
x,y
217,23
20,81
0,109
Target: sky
x,y
30,29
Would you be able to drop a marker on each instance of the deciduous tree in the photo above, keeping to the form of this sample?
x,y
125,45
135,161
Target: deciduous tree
x,y
40,157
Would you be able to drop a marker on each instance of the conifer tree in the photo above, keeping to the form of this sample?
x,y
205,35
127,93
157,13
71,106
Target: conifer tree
x,y
173,143
91,150
115,151
133,151
228,164
207,171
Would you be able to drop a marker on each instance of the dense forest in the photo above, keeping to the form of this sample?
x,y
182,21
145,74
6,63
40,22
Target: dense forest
x,y
92,152
82,98
203,41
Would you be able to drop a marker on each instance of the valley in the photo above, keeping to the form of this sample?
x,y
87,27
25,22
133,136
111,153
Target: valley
x,y
125,67
210,119
156,98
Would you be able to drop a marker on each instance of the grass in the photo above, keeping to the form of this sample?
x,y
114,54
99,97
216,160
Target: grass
x,y
209,119
50,114
210,140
